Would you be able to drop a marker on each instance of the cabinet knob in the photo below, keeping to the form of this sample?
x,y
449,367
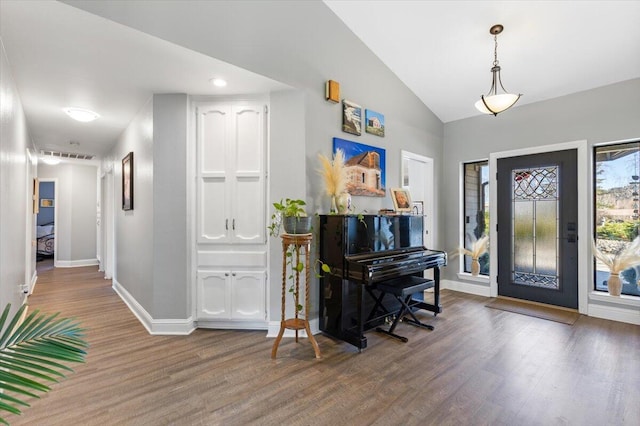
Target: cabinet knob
x,y
226,274
234,274
233,224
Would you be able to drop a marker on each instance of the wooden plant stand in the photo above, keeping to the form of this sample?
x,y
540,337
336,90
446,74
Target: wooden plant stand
x,y
296,323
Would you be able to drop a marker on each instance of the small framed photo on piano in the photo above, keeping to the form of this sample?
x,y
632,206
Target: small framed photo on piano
x,y
401,199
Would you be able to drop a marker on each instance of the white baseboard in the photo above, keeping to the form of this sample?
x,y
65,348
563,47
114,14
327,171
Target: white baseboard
x,y
153,326
471,288
75,263
631,316
274,329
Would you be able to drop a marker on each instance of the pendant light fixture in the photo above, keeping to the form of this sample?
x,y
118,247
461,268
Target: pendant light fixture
x,y
494,102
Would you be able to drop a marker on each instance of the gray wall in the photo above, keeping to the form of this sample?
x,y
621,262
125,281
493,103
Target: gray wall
x,y
171,289
14,197
134,228
607,114
76,206
46,214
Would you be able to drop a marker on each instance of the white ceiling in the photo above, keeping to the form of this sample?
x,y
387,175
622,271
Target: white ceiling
x,y
442,50
62,56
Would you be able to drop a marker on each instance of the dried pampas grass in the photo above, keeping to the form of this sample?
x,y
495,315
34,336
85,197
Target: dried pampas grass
x,y
333,173
478,248
618,262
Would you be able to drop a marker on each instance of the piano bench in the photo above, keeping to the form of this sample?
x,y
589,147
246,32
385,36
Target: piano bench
x,y
403,289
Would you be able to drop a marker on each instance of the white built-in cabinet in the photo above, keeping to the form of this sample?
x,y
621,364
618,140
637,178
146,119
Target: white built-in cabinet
x,y
231,295
231,214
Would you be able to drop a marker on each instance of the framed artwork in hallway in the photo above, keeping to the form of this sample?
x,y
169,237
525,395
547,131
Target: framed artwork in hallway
x,y
127,182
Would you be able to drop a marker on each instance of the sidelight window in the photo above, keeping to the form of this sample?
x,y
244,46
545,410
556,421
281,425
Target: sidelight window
x,y
617,185
476,210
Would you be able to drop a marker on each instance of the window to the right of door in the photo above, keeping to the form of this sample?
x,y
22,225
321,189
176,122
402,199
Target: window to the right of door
x,y
476,211
617,185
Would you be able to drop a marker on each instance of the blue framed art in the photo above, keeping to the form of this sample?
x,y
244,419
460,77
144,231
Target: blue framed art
x,y
365,168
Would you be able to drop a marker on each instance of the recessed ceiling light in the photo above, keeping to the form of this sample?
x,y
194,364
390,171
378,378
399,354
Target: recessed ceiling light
x,y
218,82
81,114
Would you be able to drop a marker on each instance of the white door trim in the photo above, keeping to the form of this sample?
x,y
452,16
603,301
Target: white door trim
x,y
429,208
584,213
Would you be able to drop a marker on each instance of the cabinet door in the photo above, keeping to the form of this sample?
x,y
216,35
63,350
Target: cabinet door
x,y
213,159
248,200
248,295
213,294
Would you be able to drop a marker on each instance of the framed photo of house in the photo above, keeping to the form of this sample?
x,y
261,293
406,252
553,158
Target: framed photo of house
x,y
401,199
374,122
351,117
365,167
127,182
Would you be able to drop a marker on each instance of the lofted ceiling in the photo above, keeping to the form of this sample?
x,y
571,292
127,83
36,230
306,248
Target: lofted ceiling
x,y
62,56
443,52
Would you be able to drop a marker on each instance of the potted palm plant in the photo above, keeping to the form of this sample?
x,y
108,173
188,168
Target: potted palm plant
x,y
32,353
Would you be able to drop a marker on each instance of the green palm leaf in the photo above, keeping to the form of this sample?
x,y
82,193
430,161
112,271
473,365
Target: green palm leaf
x,y
31,352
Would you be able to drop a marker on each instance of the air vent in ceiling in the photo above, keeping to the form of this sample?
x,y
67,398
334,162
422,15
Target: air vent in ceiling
x,y
67,155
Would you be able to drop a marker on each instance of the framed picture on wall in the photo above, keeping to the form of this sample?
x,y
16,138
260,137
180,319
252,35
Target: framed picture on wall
x,y
365,167
351,117
401,200
127,182
46,202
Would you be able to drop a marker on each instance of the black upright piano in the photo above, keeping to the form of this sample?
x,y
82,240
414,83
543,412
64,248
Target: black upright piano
x,y
363,251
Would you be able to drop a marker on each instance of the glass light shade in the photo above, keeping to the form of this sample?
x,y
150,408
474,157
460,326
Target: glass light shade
x,y
497,103
81,114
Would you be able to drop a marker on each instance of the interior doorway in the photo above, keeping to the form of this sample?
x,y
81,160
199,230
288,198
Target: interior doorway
x,y
107,254
418,177
46,224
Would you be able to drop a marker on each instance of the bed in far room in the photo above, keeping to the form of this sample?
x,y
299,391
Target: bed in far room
x,y
46,239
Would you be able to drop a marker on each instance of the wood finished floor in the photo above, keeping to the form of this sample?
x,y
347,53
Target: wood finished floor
x,y
480,366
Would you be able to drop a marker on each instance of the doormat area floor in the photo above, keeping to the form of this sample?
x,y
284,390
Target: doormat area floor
x,y
534,310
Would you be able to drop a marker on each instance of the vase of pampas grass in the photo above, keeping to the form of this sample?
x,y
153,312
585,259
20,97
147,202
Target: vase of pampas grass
x,y
618,262
478,248
334,176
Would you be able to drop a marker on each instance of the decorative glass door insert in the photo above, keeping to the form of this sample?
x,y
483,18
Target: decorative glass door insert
x,y
535,227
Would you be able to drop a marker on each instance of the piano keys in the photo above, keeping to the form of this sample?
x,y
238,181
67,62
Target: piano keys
x,y
361,252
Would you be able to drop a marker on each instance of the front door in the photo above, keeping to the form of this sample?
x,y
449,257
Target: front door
x,y
537,228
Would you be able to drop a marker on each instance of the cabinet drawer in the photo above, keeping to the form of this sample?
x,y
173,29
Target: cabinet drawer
x,y
257,259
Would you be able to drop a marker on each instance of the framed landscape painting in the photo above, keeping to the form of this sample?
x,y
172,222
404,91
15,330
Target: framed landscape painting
x,y
374,122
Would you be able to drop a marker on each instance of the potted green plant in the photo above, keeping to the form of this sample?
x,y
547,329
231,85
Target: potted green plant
x,y
290,215
31,354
